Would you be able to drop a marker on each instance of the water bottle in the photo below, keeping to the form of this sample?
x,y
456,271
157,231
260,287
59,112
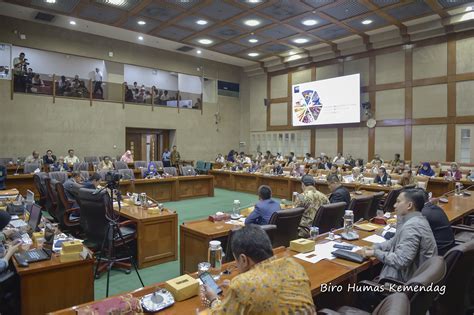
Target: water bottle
x,y
389,181
348,220
458,189
294,197
215,259
236,209
313,233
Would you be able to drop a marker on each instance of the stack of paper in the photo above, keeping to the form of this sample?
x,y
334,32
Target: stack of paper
x,y
323,251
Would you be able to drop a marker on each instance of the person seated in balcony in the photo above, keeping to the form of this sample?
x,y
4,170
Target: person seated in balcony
x,y
81,90
62,84
165,97
76,82
128,93
36,81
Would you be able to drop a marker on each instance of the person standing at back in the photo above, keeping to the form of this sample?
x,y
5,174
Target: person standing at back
x,y
98,82
264,209
166,157
175,157
311,199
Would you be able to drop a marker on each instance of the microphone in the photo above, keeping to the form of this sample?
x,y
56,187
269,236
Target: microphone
x,y
18,163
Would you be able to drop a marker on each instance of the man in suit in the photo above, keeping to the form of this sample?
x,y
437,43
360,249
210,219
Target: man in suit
x,y
175,157
339,193
264,208
93,181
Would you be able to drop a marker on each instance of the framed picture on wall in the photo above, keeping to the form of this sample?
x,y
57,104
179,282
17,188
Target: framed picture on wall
x,y
5,61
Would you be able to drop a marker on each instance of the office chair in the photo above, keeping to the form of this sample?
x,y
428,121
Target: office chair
x,y
431,272
51,197
391,199
287,223
459,281
84,175
187,170
329,216
394,304
91,159
377,199
120,165
93,213
5,161
170,170
201,167
102,174
65,210
40,185
138,164
126,173
59,176
229,254
360,206
159,164
82,166
31,167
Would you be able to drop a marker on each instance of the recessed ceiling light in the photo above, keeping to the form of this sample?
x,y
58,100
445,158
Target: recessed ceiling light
x,y
294,57
252,22
119,3
50,1
291,53
254,1
198,52
300,40
366,22
201,22
253,40
141,22
72,22
468,9
140,37
205,41
253,54
309,22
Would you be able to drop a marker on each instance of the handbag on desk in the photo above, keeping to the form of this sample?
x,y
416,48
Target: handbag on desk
x,y
121,305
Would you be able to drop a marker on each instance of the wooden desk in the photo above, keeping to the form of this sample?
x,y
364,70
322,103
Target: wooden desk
x,y
157,235
458,207
171,188
22,182
12,169
324,271
50,285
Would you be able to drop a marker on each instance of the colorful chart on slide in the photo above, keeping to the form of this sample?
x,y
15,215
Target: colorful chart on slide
x,y
325,102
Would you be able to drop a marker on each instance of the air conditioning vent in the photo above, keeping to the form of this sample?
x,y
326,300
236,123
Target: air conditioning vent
x,y
44,17
185,48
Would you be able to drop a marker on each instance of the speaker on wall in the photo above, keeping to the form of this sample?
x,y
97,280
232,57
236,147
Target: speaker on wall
x,y
266,102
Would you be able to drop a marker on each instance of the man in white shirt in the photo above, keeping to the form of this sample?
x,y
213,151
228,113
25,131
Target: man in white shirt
x,y
220,158
98,82
34,158
71,159
339,160
308,158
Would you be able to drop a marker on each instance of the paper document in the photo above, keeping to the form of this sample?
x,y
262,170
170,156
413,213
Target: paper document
x,y
374,239
322,251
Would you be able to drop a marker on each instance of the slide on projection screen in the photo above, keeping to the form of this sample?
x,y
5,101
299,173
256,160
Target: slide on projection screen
x,y
324,102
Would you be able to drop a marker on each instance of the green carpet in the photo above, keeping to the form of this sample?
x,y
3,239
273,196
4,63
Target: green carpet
x,y
188,210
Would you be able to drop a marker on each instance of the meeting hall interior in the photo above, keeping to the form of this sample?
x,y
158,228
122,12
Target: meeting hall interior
x,y
236,157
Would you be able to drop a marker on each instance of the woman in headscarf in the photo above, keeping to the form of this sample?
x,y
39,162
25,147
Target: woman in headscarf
x,y
127,157
230,156
152,171
426,170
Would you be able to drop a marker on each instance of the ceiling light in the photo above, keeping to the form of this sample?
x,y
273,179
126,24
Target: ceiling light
x,y
300,40
72,22
118,3
253,40
198,52
252,22
205,41
201,22
140,37
141,22
294,57
468,9
366,22
51,1
253,54
309,22
254,1
291,53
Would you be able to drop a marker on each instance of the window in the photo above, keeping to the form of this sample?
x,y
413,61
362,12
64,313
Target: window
x,y
465,146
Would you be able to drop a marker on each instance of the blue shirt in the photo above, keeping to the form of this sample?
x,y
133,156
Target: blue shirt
x,y
263,212
166,156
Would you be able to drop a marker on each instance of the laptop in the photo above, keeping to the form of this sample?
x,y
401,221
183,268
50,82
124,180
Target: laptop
x,y
35,217
30,197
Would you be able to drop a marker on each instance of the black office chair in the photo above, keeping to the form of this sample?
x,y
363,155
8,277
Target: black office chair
x,y
287,223
394,304
68,213
93,213
377,199
229,254
391,199
329,216
360,206
40,185
459,281
51,197
170,170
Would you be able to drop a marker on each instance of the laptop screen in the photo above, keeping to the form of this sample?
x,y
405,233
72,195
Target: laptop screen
x,y
30,196
35,217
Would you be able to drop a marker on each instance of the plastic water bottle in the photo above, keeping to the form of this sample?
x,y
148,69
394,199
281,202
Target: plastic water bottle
x,y
294,197
389,181
313,233
458,189
236,209
215,259
348,220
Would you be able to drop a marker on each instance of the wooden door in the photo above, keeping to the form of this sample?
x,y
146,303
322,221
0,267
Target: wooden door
x,y
133,142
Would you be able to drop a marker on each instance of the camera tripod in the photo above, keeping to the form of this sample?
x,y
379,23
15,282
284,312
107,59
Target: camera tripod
x,y
113,234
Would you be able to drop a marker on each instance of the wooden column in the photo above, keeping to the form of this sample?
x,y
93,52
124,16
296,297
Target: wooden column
x,y
408,102
451,126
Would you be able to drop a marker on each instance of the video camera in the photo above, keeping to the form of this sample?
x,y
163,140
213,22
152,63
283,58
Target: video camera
x,y
113,179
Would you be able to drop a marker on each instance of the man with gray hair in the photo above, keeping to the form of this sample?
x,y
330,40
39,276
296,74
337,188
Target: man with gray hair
x,y
264,209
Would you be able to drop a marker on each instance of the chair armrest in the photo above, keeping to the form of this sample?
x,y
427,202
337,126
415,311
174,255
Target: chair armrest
x,y
390,281
127,223
268,226
66,214
327,311
461,227
70,202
